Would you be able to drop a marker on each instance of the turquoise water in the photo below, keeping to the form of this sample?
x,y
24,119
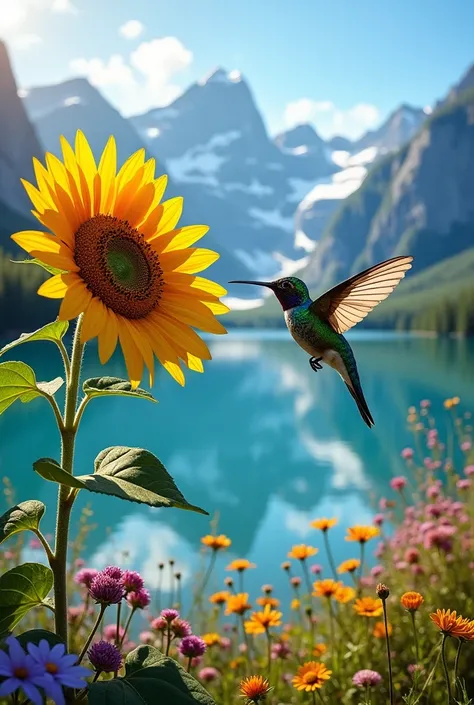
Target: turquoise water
x,y
259,440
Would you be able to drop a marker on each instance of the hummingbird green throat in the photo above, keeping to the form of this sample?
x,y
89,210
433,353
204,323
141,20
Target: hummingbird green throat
x,y
317,326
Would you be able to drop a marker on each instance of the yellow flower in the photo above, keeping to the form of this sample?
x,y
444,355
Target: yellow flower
x,y
310,676
362,534
295,604
123,262
379,630
349,566
302,552
324,524
267,600
240,564
368,607
238,604
254,688
260,622
211,639
320,649
219,598
344,594
326,588
411,601
216,542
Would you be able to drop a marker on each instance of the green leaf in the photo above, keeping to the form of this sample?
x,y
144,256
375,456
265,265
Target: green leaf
x,y
113,386
52,332
39,263
18,381
25,516
150,677
34,636
21,589
133,474
50,470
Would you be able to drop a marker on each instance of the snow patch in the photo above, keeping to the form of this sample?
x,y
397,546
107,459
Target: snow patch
x,y
220,76
254,189
340,186
300,187
272,218
153,132
202,159
22,92
72,100
366,156
303,242
340,158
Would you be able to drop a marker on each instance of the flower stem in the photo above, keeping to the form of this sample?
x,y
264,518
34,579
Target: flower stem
x,y
417,654
66,496
117,628
387,641
168,642
269,651
456,663
127,625
445,667
92,634
329,555
361,570
189,663
199,593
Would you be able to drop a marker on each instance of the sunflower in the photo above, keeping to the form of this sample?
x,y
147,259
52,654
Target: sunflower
x,y
260,622
217,543
254,688
211,639
119,259
310,676
238,604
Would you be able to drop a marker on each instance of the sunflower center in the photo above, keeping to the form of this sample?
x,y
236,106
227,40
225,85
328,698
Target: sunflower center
x,y
118,266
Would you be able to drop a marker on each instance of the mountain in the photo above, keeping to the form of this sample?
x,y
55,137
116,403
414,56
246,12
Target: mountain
x,y
465,83
398,128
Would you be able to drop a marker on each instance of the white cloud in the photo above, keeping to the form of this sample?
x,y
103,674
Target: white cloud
x,y
143,81
64,6
329,120
131,29
24,42
14,12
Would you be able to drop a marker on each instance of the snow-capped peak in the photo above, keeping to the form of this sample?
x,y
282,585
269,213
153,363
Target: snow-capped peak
x,y
219,75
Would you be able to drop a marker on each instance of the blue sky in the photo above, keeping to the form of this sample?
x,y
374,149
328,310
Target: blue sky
x,y
343,65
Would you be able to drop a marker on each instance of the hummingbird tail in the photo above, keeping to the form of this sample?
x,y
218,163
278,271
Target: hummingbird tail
x,y
358,396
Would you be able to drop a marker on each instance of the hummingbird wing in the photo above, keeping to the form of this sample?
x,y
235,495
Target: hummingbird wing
x,y
349,302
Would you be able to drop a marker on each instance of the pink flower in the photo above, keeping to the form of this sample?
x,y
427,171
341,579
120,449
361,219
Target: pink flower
x,y
412,555
208,674
110,632
425,403
467,445
316,569
159,624
463,484
378,519
147,637
35,544
407,453
433,492
398,483
469,470
376,571
401,565
367,581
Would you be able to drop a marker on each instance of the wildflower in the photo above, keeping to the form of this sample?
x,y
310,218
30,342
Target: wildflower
x,y
105,657
20,670
217,543
208,674
368,607
378,519
228,582
295,604
125,266
132,581
450,623
382,591
398,483
211,639
240,564
463,484
362,534
110,632
326,588
411,601
85,576
254,688
267,600
310,676
113,571
412,555
181,628
324,524
376,570
280,650
320,649
295,581
169,614
469,470
465,446
260,622
106,590
407,453
139,599
366,678
159,624
379,630
302,552
219,598
349,566
344,594
316,569
147,637
286,565
59,668
192,646
238,604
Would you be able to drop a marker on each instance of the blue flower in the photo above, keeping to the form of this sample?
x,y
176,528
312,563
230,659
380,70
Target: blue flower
x,y
58,669
20,671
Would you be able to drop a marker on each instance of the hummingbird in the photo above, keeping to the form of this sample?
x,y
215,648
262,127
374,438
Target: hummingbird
x,y
318,326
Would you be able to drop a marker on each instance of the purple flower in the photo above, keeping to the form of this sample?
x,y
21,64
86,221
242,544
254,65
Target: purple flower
x,y
105,657
407,453
106,590
316,569
169,614
366,677
159,624
398,483
110,632
280,650
113,571
139,599
59,669
192,646
85,576
132,581
20,671
181,628
225,643
208,674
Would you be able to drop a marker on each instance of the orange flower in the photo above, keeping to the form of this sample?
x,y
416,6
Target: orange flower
x,y
310,676
240,564
326,588
238,604
368,607
379,630
320,649
345,594
295,604
349,566
237,663
219,598
449,623
254,688
323,524
211,639
362,534
260,622
267,600
302,552
216,542
411,601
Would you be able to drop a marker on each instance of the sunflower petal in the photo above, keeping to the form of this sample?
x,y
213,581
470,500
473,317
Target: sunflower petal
x,y
185,336
128,169
76,299
36,240
108,337
107,169
164,350
181,238
194,363
57,170
193,313
55,287
69,157
127,193
38,199
44,181
150,225
131,353
85,158
182,280
160,187
58,224
95,317
142,343
188,261
217,307
67,209
139,205
149,171
172,210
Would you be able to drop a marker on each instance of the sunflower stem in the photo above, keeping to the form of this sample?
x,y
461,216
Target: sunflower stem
x,y
445,667
65,357
66,496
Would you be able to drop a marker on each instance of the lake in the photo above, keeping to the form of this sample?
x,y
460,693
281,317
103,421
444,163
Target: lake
x,y
259,440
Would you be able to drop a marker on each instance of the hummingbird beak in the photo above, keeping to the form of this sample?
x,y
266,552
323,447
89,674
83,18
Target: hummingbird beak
x,y
240,281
